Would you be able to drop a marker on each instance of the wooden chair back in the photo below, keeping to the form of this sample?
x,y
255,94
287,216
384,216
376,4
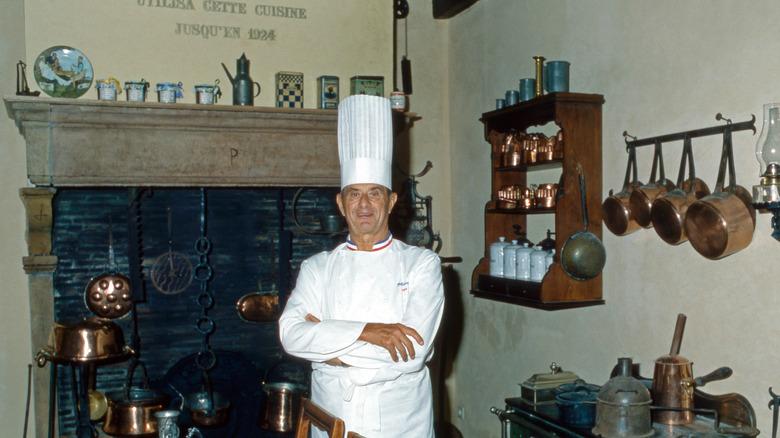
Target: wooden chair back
x,y
351,434
311,414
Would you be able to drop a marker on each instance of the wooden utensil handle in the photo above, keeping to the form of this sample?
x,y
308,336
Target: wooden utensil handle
x,y
678,334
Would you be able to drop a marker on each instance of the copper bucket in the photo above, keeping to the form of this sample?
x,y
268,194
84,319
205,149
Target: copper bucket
x,y
616,209
722,223
668,212
641,200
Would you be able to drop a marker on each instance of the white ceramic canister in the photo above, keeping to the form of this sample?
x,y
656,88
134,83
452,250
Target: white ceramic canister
x,y
538,264
523,262
136,91
107,89
549,259
510,254
207,94
497,257
168,92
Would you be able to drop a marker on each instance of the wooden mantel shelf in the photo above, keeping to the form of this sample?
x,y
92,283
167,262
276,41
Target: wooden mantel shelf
x,y
76,143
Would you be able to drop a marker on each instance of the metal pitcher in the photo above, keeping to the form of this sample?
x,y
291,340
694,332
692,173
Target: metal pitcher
x,y
243,86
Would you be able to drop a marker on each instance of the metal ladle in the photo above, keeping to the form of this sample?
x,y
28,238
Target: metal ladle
x,y
583,255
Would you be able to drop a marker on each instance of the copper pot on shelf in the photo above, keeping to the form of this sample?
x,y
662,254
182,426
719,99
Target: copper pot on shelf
x,y
544,195
512,149
546,149
530,147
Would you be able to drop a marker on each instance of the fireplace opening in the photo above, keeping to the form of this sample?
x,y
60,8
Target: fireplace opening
x,y
247,228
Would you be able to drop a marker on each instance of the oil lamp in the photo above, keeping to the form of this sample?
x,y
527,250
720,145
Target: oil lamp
x,y
766,195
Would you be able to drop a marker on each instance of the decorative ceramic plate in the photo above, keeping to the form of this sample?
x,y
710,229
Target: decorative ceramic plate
x,y
63,71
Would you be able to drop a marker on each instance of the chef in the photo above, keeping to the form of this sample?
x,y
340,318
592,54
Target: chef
x,y
366,313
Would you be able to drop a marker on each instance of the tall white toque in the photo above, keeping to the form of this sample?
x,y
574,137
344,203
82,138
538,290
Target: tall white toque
x,y
365,135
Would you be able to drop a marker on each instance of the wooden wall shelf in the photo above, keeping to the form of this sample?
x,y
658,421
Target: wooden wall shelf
x,y
579,117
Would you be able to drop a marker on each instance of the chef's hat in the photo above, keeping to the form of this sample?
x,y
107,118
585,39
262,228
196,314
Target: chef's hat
x,y
365,140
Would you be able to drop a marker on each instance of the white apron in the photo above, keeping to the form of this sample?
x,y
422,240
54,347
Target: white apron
x,y
345,289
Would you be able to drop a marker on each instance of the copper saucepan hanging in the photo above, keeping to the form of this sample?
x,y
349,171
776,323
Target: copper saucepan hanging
x,y
130,412
668,211
616,209
642,198
722,223
108,294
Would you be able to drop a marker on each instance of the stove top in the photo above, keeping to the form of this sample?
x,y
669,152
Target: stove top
x,y
547,417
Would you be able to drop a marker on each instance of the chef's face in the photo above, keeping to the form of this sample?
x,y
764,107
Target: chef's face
x,y
367,208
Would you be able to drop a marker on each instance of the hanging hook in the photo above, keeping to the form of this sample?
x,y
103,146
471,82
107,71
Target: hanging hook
x,y
626,136
720,117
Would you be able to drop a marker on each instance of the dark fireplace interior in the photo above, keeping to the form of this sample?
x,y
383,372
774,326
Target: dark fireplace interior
x,y
248,230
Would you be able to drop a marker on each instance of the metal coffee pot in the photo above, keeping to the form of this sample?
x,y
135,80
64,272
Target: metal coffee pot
x,y
243,86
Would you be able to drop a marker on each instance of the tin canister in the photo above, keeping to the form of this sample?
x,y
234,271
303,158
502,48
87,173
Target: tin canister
x,y
136,91
168,92
207,94
328,87
107,89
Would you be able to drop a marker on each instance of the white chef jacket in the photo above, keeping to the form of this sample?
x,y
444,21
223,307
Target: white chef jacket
x,y
345,289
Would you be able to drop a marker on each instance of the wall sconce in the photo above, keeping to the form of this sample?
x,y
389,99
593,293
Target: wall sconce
x,y
766,195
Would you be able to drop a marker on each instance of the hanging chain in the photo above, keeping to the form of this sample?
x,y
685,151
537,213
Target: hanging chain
x,y
206,358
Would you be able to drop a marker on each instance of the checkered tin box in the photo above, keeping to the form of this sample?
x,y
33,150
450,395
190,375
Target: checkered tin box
x,y
328,97
289,89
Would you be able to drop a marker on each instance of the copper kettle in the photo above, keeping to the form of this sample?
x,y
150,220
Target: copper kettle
x,y
673,383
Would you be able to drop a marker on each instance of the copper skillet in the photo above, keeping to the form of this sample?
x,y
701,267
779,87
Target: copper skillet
x,y
108,295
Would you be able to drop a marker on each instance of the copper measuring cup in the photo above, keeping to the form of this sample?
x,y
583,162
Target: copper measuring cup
x,y
668,212
642,198
616,209
722,223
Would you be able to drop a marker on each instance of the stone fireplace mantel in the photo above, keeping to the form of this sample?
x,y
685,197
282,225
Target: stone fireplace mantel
x,y
73,143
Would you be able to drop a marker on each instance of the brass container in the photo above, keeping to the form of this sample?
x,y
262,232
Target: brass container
x,y
539,84
541,388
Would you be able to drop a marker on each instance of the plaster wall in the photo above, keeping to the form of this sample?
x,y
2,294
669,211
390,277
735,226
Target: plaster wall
x,y
16,353
663,67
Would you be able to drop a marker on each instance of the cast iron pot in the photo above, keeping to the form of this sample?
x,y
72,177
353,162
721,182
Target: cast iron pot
x,y
577,405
